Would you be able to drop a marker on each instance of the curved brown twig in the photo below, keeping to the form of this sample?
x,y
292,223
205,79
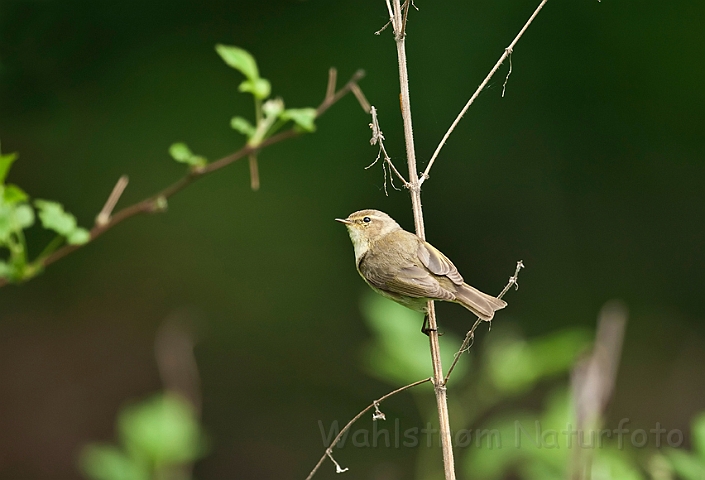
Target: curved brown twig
x,y
470,336
507,54
375,404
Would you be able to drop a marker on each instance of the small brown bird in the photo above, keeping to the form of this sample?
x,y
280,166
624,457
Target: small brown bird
x,y
399,265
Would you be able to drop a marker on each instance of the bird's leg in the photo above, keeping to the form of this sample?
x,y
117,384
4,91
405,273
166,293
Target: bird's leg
x,y
426,328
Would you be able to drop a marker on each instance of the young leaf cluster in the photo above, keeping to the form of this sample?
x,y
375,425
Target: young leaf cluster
x,y
270,113
17,215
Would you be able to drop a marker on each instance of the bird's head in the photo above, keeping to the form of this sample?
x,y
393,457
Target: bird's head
x,y
366,227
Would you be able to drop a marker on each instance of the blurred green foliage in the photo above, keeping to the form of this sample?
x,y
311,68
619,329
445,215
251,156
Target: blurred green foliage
x,y
691,466
159,438
395,353
535,446
509,367
514,365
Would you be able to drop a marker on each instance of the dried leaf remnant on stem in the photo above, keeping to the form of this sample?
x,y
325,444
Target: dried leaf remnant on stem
x,y
378,139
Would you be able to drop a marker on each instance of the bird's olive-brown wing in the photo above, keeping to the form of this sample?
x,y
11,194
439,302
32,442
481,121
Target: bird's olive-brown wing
x,y
410,280
437,263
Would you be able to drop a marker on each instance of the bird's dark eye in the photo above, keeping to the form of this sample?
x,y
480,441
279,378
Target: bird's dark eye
x,y
366,220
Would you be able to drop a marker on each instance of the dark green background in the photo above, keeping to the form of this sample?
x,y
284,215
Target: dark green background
x,y
591,170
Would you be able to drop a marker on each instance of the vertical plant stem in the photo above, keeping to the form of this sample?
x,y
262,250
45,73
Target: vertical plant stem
x,y
254,172
415,190
441,398
415,187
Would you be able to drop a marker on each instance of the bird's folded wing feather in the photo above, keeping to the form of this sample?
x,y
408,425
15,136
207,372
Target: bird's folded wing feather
x,y
410,281
437,263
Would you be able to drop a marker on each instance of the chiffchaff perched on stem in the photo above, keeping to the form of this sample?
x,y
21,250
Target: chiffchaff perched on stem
x,y
399,265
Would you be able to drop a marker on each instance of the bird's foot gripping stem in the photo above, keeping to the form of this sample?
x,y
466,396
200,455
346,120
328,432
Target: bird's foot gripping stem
x,y
426,328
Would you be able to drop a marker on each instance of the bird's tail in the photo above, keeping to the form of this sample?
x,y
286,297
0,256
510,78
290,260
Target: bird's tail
x,y
479,303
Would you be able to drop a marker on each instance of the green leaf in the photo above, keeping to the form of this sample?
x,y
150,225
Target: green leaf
x,y
239,59
53,217
302,117
181,153
79,236
14,218
105,462
259,87
243,126
162,429
6,162
23,216
14,194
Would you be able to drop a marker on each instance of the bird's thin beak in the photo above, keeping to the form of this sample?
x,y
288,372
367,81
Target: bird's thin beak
x,y
344,220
